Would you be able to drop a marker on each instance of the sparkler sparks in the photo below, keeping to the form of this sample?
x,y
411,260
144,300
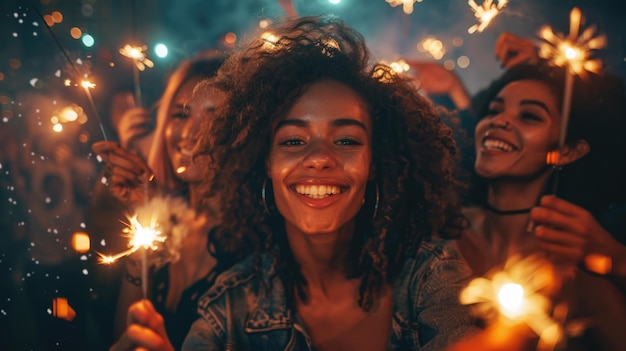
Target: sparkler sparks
x,y
485,13
136,53
407,5
159,225
572,51
517,293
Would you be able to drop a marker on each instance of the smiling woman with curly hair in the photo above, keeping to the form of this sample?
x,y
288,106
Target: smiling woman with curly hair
x,y
338,178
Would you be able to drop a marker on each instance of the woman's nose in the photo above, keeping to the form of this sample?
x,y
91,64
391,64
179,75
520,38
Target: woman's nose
x,y
319,156
190,128
500,120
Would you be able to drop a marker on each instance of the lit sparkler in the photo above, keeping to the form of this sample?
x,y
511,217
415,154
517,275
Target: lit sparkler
x,y
159,225
517,293
144,237
485,13
571,52
407,5
136,53
75,69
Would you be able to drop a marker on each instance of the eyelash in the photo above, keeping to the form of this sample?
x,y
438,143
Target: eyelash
x,y
181,114
524,115
341,142
531,117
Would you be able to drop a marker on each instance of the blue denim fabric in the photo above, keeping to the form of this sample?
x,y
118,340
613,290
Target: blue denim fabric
x,y
238,313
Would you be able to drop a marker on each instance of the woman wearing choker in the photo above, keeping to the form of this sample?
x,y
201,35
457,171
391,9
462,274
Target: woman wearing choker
x,y
521,205
514,207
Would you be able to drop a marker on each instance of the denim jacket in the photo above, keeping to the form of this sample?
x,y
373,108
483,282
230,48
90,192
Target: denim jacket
x,y
238,313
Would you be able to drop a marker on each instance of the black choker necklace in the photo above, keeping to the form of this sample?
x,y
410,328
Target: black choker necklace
x,y
490,208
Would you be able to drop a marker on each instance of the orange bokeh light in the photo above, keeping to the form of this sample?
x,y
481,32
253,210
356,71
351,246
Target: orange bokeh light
x,y
81,242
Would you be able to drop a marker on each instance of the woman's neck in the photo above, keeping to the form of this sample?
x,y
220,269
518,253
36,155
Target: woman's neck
x,y
322,258
515,194
509,232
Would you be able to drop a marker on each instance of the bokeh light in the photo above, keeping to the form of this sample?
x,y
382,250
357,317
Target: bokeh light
x,y
88,40
161,50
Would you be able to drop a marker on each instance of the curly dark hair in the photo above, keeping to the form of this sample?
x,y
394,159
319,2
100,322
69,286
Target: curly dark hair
x,y
413,152
597,115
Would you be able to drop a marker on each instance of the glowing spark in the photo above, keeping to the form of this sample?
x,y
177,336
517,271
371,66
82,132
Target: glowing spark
x,y
407,5
485,13
181,169
160,224
270,40
143,236
517,294
572,51
137,54
87,84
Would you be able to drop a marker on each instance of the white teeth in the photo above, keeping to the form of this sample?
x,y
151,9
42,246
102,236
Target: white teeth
x,y
493,144
317,191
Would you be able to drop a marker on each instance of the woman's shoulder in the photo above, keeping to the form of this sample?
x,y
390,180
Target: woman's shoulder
x,y
240,279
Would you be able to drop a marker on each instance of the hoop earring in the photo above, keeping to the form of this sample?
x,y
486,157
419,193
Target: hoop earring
x,y
376,204
368,198
263,197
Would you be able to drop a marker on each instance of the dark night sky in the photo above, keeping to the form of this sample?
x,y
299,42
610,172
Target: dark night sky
x,y
190,25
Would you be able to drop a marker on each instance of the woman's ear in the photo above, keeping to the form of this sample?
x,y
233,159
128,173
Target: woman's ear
x,y
575,152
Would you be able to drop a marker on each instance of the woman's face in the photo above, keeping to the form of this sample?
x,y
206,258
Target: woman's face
x,y
320,159
184,117
521,127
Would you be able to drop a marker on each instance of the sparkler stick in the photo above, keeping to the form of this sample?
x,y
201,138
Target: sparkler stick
x,y
85,84
136,53
571,52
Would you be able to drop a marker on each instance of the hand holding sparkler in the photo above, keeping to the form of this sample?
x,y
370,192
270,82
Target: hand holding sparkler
x,y
573,236
145,330
128,177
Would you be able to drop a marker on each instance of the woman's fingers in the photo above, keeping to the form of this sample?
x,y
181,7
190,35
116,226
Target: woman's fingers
x,y
512,50
146,327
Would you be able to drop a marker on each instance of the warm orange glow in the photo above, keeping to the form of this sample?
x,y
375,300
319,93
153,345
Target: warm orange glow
x,y
57,16
600,264
87,84
552,157
62,309
81,242
49,20
230,38
516,294
181,169
76,33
